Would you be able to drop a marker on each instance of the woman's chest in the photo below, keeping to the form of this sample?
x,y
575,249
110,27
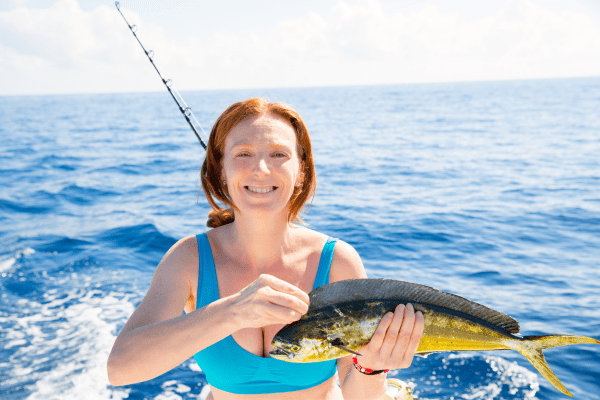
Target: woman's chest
x,y
256,340
233,277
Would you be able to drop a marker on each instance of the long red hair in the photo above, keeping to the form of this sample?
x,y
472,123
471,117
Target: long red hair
x,y
210,173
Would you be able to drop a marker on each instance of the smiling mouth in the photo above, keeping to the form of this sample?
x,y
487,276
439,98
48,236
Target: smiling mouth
x,y
261,190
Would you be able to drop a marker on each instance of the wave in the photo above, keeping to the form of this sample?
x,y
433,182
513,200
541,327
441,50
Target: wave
x,y
143,238
61,244
34,205
83,195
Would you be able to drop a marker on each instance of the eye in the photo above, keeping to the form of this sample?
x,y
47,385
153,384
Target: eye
x,y
296,348
279,154
243,154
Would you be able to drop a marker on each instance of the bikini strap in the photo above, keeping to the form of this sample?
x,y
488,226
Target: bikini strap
x,y
206,273
322,277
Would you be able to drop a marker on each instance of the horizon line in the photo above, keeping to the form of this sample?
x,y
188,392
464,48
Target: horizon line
x,y
304,87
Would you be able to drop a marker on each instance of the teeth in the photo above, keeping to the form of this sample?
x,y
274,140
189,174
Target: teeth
x,y
257,190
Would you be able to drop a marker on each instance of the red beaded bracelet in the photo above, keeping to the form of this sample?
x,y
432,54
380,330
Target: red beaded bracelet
x,y
367,371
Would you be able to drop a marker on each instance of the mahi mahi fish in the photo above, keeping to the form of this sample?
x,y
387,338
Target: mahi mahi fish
x,y
342,317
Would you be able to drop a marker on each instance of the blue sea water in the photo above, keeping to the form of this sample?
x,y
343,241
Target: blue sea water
x,y
488,190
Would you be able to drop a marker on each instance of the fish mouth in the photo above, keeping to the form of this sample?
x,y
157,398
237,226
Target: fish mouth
x,y
279,352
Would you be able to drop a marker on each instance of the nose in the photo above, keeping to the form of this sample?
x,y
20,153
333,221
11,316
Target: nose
x,y
261,167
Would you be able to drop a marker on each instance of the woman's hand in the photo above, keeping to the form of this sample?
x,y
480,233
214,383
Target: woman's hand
x,y
395,340
267,301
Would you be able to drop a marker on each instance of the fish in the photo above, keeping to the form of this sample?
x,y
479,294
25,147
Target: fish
x,y
343,316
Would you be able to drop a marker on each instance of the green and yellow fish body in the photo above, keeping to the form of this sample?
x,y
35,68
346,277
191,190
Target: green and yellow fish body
x,y
343,316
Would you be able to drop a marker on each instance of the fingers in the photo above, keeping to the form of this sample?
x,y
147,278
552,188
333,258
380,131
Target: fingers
x,y
407,326
270,300
416,335
281,314
394,330
397,337
409,336
284,287
284,300
377,339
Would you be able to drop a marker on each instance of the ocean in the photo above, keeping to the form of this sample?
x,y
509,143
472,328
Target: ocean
x,y
489,190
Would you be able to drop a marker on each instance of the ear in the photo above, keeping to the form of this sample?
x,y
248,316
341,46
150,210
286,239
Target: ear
x,y
223,181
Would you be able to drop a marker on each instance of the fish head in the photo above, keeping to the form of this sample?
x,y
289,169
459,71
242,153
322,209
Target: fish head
x,y
299,351
285,350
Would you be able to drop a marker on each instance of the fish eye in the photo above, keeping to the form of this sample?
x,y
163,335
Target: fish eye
x,y
296,348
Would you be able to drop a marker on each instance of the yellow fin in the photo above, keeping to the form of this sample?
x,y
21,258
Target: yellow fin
x,y
536,357
531,347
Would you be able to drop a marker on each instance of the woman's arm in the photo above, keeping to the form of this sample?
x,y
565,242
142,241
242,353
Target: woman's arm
x,y
157,338
392,346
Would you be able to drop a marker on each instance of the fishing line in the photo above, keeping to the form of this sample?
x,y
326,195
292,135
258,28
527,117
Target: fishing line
x,y
183,107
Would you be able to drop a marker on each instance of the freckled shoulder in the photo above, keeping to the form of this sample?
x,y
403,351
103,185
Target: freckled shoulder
x,y
169,290
182,261
346,263
183,255
307,238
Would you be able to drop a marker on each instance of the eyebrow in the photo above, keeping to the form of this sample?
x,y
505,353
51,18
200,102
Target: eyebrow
x,y
273,146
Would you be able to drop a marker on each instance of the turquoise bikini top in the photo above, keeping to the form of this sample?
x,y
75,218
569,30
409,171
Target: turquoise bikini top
x,y
231,368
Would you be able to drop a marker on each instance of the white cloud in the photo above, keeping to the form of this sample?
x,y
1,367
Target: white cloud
x,y
359,43
64,49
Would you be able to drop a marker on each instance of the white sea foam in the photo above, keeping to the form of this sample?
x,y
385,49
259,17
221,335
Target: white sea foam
x,y
7,264
204,393
81,327
194,366
505,375
471,376
173,390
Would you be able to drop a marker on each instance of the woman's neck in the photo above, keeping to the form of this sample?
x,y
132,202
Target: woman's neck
x,y
260,242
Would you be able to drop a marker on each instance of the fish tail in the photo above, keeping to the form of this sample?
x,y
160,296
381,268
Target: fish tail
x,y
531,347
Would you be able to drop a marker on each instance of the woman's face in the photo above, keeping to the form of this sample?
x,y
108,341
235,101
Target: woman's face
x,y
261,164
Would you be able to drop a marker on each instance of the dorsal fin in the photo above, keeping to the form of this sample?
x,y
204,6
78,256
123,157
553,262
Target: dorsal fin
x,y
380,289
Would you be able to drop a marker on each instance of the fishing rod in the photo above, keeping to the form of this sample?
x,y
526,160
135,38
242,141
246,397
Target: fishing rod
x,y
183,107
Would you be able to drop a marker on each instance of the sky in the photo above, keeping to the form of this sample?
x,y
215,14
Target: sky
x,y
84,46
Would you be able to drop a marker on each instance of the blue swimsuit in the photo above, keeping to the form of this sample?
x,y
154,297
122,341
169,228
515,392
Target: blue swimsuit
x,y
231,368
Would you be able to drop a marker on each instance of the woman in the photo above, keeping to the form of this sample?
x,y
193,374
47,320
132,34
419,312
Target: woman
x,y
243,280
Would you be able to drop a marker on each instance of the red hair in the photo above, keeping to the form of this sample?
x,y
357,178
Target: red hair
x,y
210,173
